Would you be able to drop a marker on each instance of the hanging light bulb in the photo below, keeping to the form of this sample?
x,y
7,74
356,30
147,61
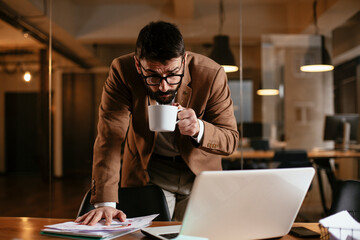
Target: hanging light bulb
x,y
325,63
267,92
221,52
27,76
323,66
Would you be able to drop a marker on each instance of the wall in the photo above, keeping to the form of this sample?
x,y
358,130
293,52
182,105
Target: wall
x,y
11,83
97,79
306,98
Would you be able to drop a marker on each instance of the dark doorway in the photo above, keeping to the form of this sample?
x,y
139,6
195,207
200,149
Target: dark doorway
x,y
21,115
346,80
78,124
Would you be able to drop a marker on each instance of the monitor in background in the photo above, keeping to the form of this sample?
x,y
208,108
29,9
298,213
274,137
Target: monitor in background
x,y
260,144
252,129
335,125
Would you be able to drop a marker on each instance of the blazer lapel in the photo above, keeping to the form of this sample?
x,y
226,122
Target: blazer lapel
x,y
183,95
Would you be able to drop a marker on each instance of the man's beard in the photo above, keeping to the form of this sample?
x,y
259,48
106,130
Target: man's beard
x,y
158,95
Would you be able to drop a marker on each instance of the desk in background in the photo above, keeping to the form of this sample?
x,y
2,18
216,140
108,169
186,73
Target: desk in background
x,y
314,154
29,228
321,159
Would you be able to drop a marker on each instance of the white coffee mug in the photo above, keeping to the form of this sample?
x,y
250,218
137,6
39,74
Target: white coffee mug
x,y
162,118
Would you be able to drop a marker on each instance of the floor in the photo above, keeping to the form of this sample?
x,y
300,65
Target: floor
x,y
32,196
312,209
29,196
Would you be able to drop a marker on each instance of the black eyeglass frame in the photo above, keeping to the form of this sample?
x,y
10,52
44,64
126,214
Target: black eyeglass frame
x,y
162,78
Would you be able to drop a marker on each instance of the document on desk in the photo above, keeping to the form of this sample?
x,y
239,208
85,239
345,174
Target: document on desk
x,y
341,226
98,231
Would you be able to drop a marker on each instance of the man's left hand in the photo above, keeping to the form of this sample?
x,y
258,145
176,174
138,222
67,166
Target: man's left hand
x,y
188,123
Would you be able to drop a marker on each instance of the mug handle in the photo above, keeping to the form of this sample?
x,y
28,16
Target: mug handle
x,y
179,110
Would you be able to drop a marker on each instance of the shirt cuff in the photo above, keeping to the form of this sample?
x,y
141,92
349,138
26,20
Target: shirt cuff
x,y
105,204
201,132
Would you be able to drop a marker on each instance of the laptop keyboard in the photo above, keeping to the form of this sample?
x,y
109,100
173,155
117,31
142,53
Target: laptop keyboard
x,y
169,235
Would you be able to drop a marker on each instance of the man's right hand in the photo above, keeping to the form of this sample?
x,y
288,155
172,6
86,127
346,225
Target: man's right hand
x,y
94,216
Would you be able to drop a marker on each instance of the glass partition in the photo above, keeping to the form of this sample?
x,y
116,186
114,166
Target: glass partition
x,y
278,38
48,121
25,127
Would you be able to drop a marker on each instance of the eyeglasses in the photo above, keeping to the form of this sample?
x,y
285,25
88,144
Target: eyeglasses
x,y
155,79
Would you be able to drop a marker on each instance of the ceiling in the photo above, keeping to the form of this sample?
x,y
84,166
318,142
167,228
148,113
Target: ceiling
x,y
90,32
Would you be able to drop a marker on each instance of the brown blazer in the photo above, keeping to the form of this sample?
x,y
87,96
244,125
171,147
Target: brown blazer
x,y
123,116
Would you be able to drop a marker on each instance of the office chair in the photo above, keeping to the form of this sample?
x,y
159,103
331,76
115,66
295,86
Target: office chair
x,y
347,197
292,159
135,202
259,144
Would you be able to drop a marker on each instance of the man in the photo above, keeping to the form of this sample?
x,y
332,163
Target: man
x,y
160,72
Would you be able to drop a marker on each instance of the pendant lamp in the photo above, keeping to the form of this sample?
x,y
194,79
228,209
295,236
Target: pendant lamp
x,y
267,92
325,64
221,52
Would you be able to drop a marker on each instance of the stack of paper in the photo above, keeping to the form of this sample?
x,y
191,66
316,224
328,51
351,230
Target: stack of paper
x,y
99,230
341,226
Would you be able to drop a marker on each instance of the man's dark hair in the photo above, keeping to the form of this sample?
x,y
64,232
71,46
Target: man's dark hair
x,y
160,41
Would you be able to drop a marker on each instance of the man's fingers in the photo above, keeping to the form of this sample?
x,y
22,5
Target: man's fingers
x,y
188,116
121,216
188,124
96,218
88,217
81,218
108,218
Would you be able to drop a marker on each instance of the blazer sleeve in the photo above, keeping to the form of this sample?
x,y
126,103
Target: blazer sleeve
x,y
114,115
221,135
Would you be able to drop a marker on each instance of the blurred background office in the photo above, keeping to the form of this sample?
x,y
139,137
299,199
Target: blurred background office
x,y
55,55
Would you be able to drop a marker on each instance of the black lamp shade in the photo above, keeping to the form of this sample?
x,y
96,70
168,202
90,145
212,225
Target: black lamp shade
x,y
221,52
325,57
324,65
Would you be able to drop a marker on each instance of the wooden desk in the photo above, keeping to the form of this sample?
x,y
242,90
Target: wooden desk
x,y
29,228
252,154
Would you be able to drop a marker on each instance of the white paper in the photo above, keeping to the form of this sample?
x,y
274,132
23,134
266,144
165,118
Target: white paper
x,y
116,225
342,226
100,229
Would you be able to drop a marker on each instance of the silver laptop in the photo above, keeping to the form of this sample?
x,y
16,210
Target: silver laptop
x,y
244,204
